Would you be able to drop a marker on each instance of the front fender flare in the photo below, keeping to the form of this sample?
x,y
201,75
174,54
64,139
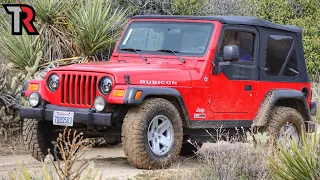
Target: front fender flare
x,y
164,92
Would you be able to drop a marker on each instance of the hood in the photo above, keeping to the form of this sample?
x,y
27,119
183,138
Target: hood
x,y
141,73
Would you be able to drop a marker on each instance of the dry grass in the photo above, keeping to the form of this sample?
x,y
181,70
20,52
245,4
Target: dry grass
x,y
70,147
225,160
316,97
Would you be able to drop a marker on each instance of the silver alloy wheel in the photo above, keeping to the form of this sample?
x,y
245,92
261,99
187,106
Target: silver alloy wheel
x,y
160,135
288,131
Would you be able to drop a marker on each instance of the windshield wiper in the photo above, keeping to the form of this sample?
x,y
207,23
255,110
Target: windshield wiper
x,y
135,50
173,52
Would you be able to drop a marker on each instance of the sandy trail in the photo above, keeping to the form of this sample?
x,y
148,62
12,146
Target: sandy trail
x,y
110,161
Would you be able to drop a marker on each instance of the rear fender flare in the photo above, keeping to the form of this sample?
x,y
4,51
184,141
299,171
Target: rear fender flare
x,y
271,100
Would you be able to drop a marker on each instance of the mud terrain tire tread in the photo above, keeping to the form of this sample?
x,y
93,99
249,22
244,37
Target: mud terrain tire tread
x,y
134,134
35,138
280,115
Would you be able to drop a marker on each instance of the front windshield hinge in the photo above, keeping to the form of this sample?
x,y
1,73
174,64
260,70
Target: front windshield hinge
x,y
127,78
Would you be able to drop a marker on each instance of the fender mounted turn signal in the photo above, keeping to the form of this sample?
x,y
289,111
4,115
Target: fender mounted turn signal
x,y
33,87
138,95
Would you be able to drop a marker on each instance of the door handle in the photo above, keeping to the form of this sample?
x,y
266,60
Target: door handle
x,y
248,88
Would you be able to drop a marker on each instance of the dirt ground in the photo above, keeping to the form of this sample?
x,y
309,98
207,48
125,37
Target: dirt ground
x,y
110,161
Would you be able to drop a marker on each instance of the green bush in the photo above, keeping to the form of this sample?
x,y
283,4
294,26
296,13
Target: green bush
x,y
192,7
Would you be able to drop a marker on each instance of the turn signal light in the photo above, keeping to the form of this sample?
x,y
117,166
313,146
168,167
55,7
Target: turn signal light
x,y
118,92
33,87
138,95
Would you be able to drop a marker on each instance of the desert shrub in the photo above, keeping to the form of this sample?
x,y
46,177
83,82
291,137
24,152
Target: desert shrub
x,y
228,159
189,7
71,147
192,7
297,160
234,160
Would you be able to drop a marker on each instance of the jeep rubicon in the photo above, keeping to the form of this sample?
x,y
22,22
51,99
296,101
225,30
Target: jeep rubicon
x,y
171,78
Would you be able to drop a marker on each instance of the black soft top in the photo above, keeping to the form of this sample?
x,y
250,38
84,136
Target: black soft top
x,y
241,20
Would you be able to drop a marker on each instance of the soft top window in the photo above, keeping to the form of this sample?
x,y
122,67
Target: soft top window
x,y
186,38
281,56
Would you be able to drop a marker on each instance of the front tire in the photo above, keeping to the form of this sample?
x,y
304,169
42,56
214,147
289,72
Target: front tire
x,y
152,134
37,138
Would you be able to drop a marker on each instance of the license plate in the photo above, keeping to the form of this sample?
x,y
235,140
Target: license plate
x,y
63,118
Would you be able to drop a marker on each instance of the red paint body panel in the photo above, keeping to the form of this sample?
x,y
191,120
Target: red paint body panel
x,y
219,97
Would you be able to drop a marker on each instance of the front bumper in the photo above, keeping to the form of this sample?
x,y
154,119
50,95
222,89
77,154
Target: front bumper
x,y
313,108
81,116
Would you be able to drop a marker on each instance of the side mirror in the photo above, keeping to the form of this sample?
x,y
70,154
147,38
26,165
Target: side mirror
x,y
231,53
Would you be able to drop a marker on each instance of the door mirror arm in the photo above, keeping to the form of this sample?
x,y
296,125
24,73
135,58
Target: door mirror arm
x,y
230,53
217,69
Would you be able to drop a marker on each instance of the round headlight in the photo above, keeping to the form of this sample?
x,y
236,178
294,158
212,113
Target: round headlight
x,y
53,82
100,103
105,85
34,99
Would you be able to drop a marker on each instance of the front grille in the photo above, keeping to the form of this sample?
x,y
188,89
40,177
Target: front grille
x,y
78,89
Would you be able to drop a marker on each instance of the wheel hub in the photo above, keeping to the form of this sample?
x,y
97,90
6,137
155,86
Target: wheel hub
x,y
288,131
160,135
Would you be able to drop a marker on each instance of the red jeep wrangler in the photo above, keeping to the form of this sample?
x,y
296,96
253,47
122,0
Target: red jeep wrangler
x,y
169,79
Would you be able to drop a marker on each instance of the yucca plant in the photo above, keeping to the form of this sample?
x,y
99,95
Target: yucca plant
x,y
49,11
297,160
51,20
95,25
20,50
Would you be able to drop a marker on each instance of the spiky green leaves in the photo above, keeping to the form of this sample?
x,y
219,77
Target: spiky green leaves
x,y
95,25
297,161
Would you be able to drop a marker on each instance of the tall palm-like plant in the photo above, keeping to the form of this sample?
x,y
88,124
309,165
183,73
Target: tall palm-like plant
x,y
95,25
51,18
20,50
297,161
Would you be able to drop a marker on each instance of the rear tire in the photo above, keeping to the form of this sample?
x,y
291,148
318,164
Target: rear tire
x,y
112,139
285,121
37,138
139,127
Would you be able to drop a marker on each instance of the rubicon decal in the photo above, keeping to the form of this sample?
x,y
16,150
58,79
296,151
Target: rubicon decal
x,y
156,82
22,15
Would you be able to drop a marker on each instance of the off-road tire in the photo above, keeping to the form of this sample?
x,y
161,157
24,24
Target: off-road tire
x,y
112,139
279,117
135,129
36,138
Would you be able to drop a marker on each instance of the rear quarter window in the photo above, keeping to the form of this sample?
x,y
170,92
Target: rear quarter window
x,y
281,58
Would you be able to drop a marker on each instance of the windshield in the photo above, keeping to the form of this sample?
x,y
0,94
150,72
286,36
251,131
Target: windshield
x,y
184,38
